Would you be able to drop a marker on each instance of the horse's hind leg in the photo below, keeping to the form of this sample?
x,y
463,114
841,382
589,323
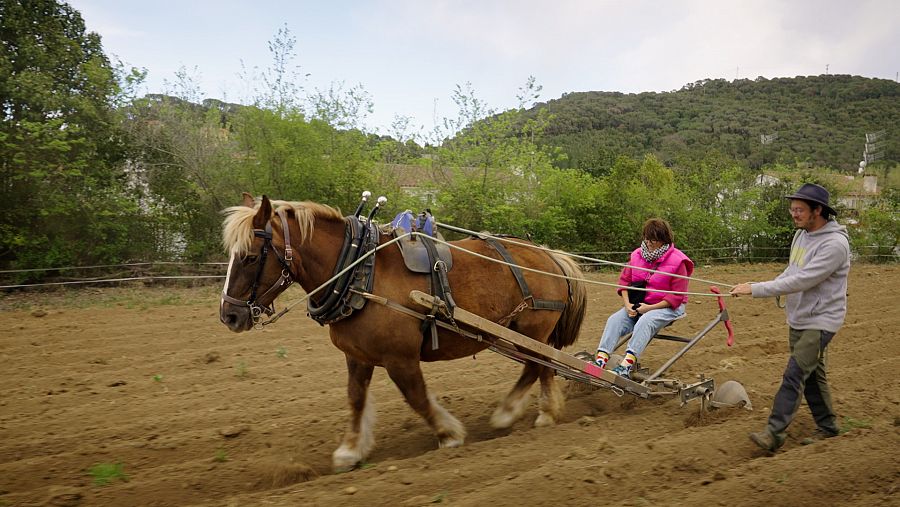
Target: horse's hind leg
x,y
409,379
359,437
513,406
552,400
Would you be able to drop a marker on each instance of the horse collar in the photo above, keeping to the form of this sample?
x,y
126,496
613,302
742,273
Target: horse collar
x,y
340,299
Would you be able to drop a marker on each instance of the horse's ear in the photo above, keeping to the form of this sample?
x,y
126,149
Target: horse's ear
x,y
264,214
248,200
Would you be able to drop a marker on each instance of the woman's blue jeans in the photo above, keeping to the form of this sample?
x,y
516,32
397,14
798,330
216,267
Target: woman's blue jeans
x,y
642,329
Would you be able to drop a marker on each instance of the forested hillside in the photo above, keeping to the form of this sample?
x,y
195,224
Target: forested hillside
x,y
817,119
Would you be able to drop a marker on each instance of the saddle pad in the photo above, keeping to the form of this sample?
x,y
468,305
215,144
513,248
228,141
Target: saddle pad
x,y
423,222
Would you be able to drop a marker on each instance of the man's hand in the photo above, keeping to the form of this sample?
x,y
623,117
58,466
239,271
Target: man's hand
x,y
741,289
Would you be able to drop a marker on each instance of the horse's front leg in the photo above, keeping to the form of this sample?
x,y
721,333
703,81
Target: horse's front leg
x,y
408,377
359,438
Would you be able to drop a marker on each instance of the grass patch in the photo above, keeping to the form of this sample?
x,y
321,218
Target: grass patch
x,y
172,299
105,473
241,369
221,456
851,424
281,353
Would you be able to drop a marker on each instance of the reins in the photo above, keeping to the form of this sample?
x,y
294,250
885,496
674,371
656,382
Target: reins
x,y
581,257
269,311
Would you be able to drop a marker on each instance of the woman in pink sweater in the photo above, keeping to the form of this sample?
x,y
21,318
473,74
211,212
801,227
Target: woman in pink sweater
x,y
644,317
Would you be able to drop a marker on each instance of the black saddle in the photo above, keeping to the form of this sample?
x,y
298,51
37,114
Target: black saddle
x,y
420,253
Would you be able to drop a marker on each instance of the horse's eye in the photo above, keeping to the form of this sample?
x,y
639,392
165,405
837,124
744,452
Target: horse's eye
x,y
250,259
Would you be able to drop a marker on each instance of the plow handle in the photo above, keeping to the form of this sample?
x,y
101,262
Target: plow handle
x,y
726,320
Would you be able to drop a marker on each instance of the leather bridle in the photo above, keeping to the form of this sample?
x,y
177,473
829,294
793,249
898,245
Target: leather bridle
x,y
286,278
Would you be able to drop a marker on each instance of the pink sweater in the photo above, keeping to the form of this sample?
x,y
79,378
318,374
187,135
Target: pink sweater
x,y
674,261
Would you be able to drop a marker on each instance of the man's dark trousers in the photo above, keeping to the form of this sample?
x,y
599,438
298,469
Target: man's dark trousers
x,y
804,377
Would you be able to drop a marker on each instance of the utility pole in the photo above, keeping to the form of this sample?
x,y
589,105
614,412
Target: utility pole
x,y
826,68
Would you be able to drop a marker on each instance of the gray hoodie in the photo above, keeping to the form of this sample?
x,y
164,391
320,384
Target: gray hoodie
x,y
815,279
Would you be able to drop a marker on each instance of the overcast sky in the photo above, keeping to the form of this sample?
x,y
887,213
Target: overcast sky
x,y
410,54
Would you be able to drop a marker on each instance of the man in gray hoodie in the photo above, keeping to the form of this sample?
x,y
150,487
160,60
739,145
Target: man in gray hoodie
x,y
815,283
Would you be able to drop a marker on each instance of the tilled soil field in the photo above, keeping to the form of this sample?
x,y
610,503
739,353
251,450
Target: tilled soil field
x,y
139,396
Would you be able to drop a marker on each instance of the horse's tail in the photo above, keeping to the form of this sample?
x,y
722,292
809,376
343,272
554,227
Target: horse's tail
x,y
566,331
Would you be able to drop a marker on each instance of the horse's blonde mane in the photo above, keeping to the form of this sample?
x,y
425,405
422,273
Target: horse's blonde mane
x,y
237,228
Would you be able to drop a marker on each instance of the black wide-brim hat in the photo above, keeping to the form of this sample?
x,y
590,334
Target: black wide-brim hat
x,y
813,193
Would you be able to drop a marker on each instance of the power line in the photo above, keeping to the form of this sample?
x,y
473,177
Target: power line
x,y
106,280
126,265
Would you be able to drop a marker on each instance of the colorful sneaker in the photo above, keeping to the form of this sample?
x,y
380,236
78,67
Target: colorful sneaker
x,y
622,371
601,359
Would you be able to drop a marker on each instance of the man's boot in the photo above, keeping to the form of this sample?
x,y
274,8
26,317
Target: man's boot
x,y
766,440
817,436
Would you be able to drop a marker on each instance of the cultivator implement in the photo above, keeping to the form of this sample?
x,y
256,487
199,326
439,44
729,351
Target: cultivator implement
x,y
581,367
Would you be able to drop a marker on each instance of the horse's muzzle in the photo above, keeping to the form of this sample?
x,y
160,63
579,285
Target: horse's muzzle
x,y
235,317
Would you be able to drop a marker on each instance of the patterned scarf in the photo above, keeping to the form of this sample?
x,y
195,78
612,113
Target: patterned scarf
x,y
654,255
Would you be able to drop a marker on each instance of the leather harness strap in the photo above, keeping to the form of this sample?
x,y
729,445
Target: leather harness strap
x,y
440,285
536,304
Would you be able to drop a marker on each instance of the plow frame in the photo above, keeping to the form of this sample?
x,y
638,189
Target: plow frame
x,y
580,367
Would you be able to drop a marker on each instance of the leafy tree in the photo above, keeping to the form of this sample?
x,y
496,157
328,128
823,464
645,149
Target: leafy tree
x,y
399,145
878,236
340,108
181,153
63,191
279,86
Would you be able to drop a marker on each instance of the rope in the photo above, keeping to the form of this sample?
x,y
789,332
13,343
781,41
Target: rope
x,y
574,256
583,280
335,277
384,245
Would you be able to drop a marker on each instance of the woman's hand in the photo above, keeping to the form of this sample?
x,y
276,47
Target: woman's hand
x,y
631,312
644,307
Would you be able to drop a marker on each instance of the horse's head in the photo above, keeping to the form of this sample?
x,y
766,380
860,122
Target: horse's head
x,y
260,265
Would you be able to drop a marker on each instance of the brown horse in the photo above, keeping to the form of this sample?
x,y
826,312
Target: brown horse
x,y
377,335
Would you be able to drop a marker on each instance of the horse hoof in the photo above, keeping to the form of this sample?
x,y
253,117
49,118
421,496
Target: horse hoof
x,y
339,469
344,459
501,419
544,420
448,443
